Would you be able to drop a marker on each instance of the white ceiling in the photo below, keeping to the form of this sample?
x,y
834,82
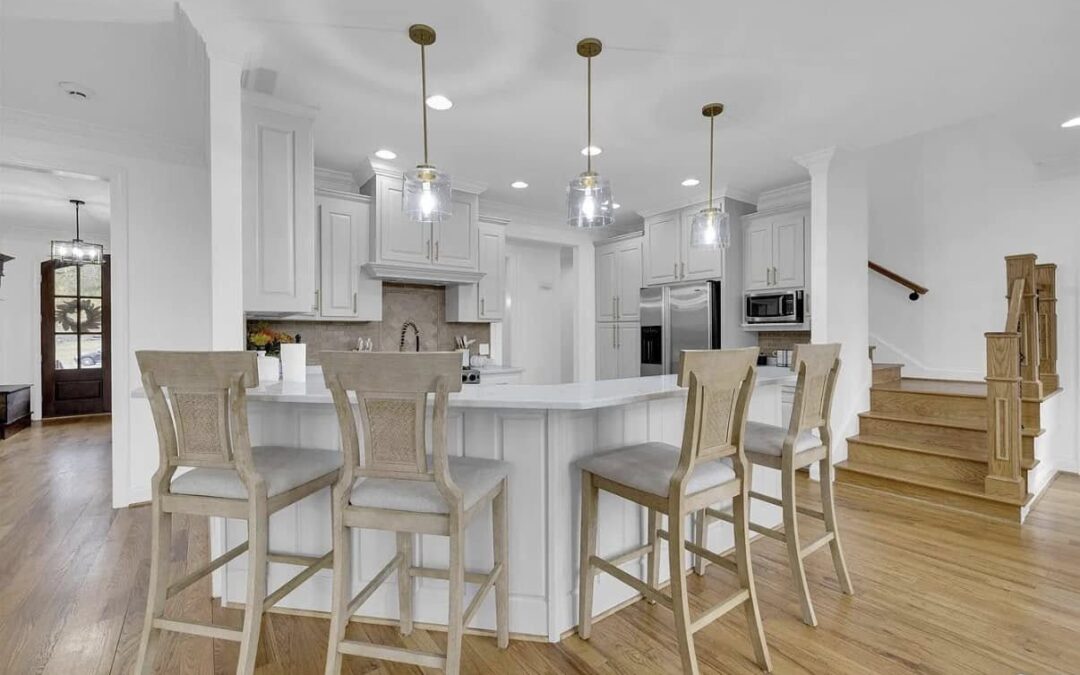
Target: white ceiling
x,y
39,200
796,76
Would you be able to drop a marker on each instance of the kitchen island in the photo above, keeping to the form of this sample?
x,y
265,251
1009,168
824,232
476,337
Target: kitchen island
x,y
540,430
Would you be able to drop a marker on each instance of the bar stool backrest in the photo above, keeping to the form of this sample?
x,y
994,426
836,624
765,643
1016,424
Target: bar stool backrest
x,y
199,404
391,392
817,366
721,382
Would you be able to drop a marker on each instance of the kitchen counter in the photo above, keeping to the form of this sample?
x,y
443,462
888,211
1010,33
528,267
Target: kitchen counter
x,y
540,431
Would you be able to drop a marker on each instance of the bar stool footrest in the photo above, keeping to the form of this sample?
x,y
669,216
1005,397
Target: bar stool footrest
x,y
397,654
733,601
810,548
199,628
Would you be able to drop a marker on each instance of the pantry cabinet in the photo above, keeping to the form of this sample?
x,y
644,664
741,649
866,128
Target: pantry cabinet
x,y
774,250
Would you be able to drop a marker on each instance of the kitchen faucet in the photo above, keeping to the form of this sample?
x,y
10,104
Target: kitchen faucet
x,y
404,328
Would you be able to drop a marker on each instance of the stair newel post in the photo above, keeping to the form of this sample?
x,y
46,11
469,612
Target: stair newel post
x,y
1022,267
1003,391
1046,291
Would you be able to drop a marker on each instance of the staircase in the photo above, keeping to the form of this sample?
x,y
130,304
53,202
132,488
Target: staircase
x,y
927,439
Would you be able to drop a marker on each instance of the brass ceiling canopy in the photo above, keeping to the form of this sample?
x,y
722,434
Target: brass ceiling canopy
x,y
589,47
422,34
712,109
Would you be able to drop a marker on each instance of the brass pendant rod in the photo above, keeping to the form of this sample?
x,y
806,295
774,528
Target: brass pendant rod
x,y
588,116
712,129
423,97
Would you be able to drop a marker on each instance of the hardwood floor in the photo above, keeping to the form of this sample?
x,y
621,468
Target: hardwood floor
x,y
936,591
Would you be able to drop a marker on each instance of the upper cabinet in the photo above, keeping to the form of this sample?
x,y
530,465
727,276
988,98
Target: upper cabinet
x,y
618,279
345,292
668,255
774,249
278,192
427,252
483,301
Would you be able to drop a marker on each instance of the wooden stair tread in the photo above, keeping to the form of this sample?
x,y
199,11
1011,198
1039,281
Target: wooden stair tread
x,y
951,422
882,366
916,385
923,448
966,488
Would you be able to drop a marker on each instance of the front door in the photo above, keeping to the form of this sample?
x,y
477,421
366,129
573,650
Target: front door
x,y
75,355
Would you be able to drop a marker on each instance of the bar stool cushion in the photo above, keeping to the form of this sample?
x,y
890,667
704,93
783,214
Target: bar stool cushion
x,y
474,476
767,439
649,467
283,468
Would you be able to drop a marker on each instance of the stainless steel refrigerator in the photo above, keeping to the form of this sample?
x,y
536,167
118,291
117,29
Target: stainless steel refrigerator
x,y
674,318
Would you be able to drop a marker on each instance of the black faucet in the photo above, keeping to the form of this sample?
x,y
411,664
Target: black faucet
x,y
404,328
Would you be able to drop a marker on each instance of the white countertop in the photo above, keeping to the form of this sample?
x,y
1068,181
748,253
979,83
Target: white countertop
x,y
499,370
573,396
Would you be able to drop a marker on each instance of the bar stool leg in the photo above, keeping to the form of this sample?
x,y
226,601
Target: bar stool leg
x,y
740,512
500,527
791,536
454,624
680,601
590,497
405,583
653,559
341,589
701,538
258,535
160,543
828,508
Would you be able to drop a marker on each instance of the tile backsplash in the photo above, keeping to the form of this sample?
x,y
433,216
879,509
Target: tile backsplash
x,y
423,305
770,341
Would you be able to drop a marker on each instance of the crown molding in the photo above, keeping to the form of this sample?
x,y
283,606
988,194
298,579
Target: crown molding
x,y
493,220
789,195
701,200
69,131
333,180
259,100
817,160
373,166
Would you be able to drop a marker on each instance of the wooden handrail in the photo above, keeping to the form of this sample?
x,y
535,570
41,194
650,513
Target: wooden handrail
x,y
916,289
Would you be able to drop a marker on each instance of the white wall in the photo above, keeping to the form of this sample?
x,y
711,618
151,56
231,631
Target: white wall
x,y
20,301
946,207
536,318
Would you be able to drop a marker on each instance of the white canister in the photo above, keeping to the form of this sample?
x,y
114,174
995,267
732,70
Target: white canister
x,y
269,368
294,362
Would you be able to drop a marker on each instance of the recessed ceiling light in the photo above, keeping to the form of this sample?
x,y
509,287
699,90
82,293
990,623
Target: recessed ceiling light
x,y
75,90
519,185
439,102
591,151
386,154
615,205
690,182
1074,122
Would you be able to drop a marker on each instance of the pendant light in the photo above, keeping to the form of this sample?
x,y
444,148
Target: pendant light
x,y
425,192
77,251
589,195
711,227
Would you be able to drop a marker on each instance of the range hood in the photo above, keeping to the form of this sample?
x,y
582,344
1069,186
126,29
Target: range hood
x,y
422,274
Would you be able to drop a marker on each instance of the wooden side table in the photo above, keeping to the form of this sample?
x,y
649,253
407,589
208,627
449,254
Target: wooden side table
x,y
14,408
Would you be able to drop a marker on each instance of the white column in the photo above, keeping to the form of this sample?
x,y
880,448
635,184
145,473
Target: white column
x,y
839,303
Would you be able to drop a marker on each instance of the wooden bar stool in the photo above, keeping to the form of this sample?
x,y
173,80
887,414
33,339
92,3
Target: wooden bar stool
x,y
792,449
402,489
200,412
709,467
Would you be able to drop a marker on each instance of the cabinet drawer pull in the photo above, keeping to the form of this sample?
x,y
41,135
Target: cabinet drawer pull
x,y
436,250
682,270
614,345
318,305
482,311
675,270
354,302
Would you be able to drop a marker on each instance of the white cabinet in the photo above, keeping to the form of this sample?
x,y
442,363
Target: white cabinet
x,y
774,250
618,350
278,189
425,252
668,255
618,280
345,292
485,300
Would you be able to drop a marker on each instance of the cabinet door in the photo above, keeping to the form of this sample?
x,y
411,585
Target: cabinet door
x,y
278,193
606,290
339,230
455,237
700,263
607,359
757,255
400,239
662,246
491,258
628,343
628,279
788,250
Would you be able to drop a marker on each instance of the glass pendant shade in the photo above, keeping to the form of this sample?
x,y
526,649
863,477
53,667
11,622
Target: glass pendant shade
x,y
425,195
589,201
710,228
78,252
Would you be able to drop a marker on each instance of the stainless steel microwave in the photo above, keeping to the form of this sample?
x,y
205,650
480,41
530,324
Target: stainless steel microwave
x,y
774,307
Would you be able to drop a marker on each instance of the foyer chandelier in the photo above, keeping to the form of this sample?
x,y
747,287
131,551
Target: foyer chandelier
x,y
77,251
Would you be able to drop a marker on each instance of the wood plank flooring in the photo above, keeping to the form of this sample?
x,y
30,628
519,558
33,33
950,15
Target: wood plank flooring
x,y
937,592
